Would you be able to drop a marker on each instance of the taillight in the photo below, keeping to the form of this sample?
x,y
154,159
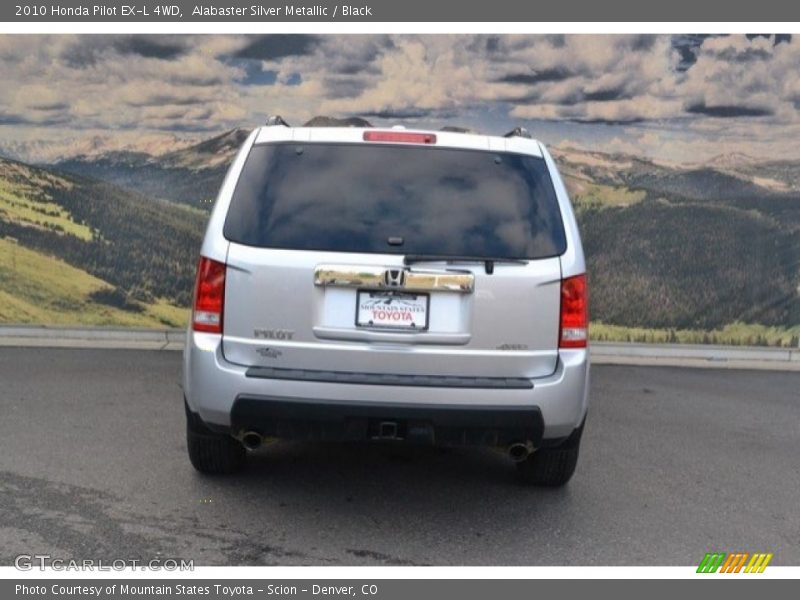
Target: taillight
x,y
405,137
574,331
209,296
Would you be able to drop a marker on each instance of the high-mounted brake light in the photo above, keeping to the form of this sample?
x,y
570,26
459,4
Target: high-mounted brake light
x,y
574,329
404,137
209,296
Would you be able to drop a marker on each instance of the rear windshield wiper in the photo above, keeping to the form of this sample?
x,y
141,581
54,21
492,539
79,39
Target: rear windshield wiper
x,y
488,262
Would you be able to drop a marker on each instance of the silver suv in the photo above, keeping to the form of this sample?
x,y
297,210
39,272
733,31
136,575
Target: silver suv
x,y
390,284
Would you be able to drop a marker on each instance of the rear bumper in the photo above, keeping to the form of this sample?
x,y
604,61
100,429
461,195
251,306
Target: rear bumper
x,y
301,419
225,398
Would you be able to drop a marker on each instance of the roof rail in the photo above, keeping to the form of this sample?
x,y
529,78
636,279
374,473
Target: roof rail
x,y
274,120
518,132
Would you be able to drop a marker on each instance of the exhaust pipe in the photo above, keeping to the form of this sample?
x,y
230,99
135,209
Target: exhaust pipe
x,y
519,451
252,440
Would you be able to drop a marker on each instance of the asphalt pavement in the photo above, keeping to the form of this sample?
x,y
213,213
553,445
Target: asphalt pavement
x,y
674,463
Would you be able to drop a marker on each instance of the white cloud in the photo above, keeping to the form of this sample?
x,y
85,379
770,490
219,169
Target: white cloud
x,y
741,91
756,75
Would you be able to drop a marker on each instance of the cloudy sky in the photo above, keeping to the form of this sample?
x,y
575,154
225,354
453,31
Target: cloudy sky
x,y
677,98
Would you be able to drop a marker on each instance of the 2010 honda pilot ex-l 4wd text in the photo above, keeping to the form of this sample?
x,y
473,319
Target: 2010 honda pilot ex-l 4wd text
x,y
389,284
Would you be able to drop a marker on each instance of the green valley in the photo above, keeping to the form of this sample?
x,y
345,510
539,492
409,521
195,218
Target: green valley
x,y
36,288
78,251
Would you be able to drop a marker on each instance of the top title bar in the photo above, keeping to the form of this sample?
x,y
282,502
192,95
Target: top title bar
x,y
456,11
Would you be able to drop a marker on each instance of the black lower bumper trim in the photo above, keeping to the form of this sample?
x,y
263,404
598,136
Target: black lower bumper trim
x,y
451,381
429,423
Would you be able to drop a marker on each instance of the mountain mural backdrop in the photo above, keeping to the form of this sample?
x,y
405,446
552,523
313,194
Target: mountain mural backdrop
x,y
706,252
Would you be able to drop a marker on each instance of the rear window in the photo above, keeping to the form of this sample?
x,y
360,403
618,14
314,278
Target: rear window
x,y
397,200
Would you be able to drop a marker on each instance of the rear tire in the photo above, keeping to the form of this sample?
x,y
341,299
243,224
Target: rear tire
x,y
210,452
552,467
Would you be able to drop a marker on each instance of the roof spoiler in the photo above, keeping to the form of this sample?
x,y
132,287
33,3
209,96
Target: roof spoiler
x,y
278,121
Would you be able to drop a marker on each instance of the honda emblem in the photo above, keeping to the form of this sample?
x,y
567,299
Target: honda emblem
x,y
394,277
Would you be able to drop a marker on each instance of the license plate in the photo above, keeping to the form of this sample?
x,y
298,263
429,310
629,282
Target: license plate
x,y
395,310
